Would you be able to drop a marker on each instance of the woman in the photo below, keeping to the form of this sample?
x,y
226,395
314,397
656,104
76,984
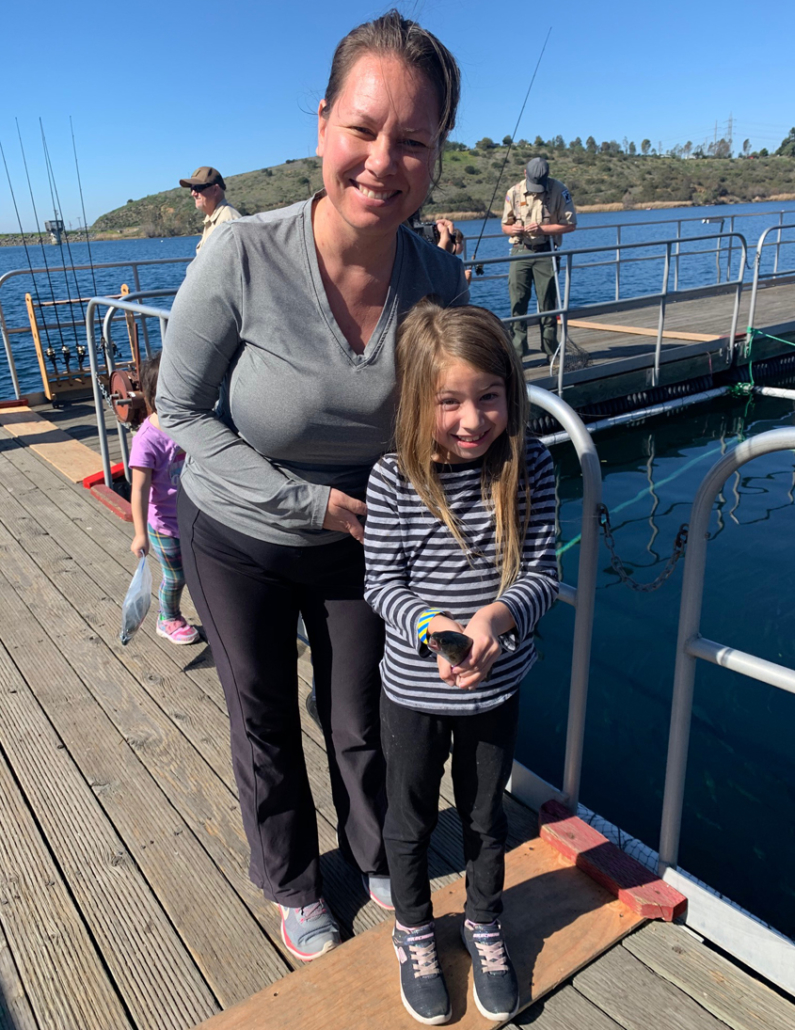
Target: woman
x,y
278,381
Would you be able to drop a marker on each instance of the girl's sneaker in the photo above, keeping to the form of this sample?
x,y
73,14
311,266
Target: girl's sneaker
x,y
178,631
309,932
422,985
495,986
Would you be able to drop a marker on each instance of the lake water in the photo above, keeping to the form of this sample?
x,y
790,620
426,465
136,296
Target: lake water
x,y
739,821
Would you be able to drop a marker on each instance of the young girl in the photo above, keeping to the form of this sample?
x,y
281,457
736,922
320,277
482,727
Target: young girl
x,y
156,463
459,536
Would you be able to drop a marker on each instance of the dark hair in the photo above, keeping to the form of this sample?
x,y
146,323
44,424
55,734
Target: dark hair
x,y
418,48
149,371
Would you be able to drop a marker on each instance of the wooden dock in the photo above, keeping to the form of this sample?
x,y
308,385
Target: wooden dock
x,y
124,893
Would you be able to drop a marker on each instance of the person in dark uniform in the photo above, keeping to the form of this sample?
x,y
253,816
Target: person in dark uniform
x,y
538,211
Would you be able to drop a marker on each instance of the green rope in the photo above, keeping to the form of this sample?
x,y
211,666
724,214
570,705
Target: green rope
x,y
752,335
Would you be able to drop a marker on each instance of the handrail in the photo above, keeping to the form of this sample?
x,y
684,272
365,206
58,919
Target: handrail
x,y
582,598
758,268
7,333
565,311
691,645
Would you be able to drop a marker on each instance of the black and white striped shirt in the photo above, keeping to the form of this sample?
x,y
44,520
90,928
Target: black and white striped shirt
x,y
414,563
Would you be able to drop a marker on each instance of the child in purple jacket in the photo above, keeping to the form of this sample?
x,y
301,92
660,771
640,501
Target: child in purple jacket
x,y
156,463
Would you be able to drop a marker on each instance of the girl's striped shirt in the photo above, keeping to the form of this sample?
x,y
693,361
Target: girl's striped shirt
x,y
414,563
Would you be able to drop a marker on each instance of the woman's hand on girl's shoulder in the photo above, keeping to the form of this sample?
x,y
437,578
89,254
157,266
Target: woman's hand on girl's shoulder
x,y
342,514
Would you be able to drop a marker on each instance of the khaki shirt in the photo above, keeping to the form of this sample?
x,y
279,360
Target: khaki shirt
x,y
224,212
555,207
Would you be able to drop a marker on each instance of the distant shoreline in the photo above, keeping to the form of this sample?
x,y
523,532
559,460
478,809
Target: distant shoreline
x,y
15,239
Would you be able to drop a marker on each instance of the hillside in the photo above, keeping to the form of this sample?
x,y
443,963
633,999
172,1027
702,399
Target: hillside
x,y
468,180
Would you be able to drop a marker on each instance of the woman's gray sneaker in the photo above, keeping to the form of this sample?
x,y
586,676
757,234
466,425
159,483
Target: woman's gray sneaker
x,y
496,989
309,932
422,985
380,890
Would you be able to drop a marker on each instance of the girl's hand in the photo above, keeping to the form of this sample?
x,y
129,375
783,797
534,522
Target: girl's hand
x,y
140,543
485,627
342,512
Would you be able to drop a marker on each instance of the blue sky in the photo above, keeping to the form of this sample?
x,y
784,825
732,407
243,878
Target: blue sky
x,y
156,89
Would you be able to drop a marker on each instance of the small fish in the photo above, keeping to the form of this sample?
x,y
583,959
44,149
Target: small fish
x,y
451,645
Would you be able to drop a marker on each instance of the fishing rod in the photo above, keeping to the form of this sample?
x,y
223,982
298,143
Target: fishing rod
x,y
83,206
50,351
479,270
58,216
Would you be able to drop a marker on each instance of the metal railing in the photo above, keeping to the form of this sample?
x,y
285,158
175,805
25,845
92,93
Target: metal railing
x,y
765,951
114,304
759,274
8,332
524,782
566,258
720,220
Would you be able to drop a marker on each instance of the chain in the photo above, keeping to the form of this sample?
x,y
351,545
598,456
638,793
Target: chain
x,y
645,588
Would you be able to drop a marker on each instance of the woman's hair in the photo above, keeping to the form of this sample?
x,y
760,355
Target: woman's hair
x,y
394,35
149,371
430,339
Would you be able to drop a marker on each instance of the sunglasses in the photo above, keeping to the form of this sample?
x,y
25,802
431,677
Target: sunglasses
x,y
200,189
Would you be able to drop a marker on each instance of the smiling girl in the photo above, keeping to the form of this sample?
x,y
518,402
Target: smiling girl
x,y
459,537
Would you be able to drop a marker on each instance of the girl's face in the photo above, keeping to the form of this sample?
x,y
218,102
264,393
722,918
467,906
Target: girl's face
x,y
471,412
378,144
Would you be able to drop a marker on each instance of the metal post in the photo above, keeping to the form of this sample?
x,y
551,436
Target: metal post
x,y
110,364
729,258
778,242
586,584
736,312
678,248
661,320
618,262
92,357
144,326
689,621
562,316
12,368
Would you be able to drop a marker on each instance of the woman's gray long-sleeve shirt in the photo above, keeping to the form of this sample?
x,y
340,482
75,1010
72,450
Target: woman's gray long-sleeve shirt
x,y
300,412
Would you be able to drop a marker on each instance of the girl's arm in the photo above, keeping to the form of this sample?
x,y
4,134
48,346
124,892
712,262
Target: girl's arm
x,y
139,502
386,578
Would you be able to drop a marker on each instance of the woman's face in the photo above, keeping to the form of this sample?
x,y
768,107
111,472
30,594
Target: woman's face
x,y
378,144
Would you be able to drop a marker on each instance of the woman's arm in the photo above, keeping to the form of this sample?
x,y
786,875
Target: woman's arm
x,y
139,502
203,339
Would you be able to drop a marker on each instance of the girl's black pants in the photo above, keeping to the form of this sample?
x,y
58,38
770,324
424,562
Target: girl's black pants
x,y
249,594
416,746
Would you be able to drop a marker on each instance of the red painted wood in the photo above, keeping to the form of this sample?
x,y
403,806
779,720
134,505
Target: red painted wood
x,y
116,471
111,500
21,403
622,875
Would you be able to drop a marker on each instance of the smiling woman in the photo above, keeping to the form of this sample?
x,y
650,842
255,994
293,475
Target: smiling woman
x,y
278,380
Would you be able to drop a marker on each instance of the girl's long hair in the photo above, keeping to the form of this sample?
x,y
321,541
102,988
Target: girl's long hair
x,y
431,338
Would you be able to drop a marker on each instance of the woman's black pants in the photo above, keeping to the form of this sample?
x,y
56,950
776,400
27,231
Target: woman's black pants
x,y
417,744
249,594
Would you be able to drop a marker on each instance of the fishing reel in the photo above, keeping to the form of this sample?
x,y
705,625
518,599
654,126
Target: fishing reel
x,y
126,397
427,230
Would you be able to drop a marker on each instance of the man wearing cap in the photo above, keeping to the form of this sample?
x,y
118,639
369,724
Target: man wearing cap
x,y
538,211
207,188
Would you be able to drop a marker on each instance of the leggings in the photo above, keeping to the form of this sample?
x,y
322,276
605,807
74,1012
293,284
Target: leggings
x,y
169,554
249,594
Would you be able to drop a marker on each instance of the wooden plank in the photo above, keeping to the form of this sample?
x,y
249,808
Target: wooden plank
x,y
223,939
152,971
206,805
639,889
719,986
636,330
556,920
15,1010
73,459
627,991
51,946
567,1009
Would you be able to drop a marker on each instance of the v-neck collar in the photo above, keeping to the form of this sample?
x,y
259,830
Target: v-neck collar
x,y
388,312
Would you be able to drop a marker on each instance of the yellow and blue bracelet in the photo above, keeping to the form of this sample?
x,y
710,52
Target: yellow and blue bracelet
x,y
424,621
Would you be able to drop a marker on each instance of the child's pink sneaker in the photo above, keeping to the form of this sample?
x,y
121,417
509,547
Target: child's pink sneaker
x,y
178,631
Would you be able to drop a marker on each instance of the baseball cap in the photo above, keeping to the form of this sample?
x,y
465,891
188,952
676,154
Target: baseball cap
x,y
204,176
536,175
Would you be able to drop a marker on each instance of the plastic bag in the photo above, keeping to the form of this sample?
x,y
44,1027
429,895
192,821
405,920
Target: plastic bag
x,y
136,603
